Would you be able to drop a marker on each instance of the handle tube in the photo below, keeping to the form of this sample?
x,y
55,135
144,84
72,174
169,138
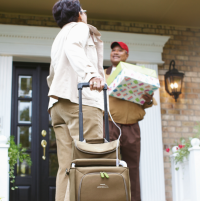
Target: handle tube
x,y
80,87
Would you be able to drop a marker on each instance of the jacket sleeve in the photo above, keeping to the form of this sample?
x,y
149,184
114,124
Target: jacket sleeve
x,y
146,105
154,102
74,50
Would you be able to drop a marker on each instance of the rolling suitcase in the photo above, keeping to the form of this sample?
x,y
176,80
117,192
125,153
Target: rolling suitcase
x,y
99,175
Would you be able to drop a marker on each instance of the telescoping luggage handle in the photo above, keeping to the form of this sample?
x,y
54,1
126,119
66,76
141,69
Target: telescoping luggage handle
x,y
80,87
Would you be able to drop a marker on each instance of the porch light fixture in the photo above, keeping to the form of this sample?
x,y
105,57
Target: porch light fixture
x,y
173,81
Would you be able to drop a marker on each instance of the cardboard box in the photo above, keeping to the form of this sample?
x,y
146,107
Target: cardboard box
x,y
129,82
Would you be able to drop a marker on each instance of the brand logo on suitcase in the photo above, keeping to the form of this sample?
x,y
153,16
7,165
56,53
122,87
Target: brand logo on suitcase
x,y
102,186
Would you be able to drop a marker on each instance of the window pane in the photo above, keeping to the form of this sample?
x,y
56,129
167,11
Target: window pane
x,y
24,111
53,164
25,87
52,139
23,169
24,136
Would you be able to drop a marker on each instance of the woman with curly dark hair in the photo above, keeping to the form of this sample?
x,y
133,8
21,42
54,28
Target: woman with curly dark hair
x,y
76,56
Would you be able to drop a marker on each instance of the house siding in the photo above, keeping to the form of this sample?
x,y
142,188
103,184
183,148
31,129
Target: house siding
x,y
178,118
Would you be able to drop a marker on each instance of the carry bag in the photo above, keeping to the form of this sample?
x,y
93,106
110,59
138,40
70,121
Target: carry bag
x,y
94,148
96,173
99,180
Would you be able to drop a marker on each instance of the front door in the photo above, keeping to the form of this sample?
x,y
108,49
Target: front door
x,y
31,126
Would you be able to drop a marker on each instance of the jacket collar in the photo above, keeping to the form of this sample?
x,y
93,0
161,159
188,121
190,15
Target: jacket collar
x,y
94,30
109,70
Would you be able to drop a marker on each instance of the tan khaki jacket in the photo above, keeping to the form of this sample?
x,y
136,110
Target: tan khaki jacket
x,y
125,112
74,61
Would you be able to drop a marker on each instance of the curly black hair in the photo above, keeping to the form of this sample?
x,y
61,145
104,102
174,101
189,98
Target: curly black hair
x,y
66,11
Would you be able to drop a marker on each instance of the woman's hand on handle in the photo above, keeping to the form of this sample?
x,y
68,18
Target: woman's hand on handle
x,y
97,83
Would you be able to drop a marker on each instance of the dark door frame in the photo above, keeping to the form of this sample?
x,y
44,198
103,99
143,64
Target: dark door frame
x,y
34,69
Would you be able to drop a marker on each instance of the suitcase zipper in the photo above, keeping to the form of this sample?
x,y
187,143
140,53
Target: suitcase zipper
x,y
79,190
89,152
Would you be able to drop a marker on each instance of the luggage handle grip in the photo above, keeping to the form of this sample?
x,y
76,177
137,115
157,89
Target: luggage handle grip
x,y
80,87
87,84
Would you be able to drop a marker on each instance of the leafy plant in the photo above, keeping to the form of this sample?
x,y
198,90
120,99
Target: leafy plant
x,y
182,149
15,153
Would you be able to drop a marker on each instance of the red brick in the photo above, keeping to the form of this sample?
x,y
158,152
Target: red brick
x,y
167,165
197,113
168,117
197,102
194,118
187,135
182,57
189,53
166,51
187,79
163,94
184,47
196,80
176,42
194,107
185,68
185,101
188,123
192,96
191,74
168,129
166,105
182,129
193,39
188,43
168,141
174,123
163,111
180,38
187,33
196,90
192,85
187,112
164,134
175,135
195,58
176,52
173,111
164,123
197,34
167,56
135,30
186,90
166,100
149,31
161,77
195,69
190,63
162,31
179,106
171,32
181,117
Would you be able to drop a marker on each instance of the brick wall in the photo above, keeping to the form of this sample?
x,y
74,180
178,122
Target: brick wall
x,y
178,119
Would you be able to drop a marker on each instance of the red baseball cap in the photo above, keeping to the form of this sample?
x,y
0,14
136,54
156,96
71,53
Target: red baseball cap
x,y
121,44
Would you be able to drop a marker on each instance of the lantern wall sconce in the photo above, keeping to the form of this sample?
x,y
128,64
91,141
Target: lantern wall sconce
x,y
173,81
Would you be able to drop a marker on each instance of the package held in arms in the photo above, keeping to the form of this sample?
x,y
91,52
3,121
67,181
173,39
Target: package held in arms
x,y
129,82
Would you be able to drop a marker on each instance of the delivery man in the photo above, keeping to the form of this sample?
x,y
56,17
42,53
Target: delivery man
x,y
127,114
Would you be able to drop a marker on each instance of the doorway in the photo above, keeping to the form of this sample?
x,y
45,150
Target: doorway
x,y
31,126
